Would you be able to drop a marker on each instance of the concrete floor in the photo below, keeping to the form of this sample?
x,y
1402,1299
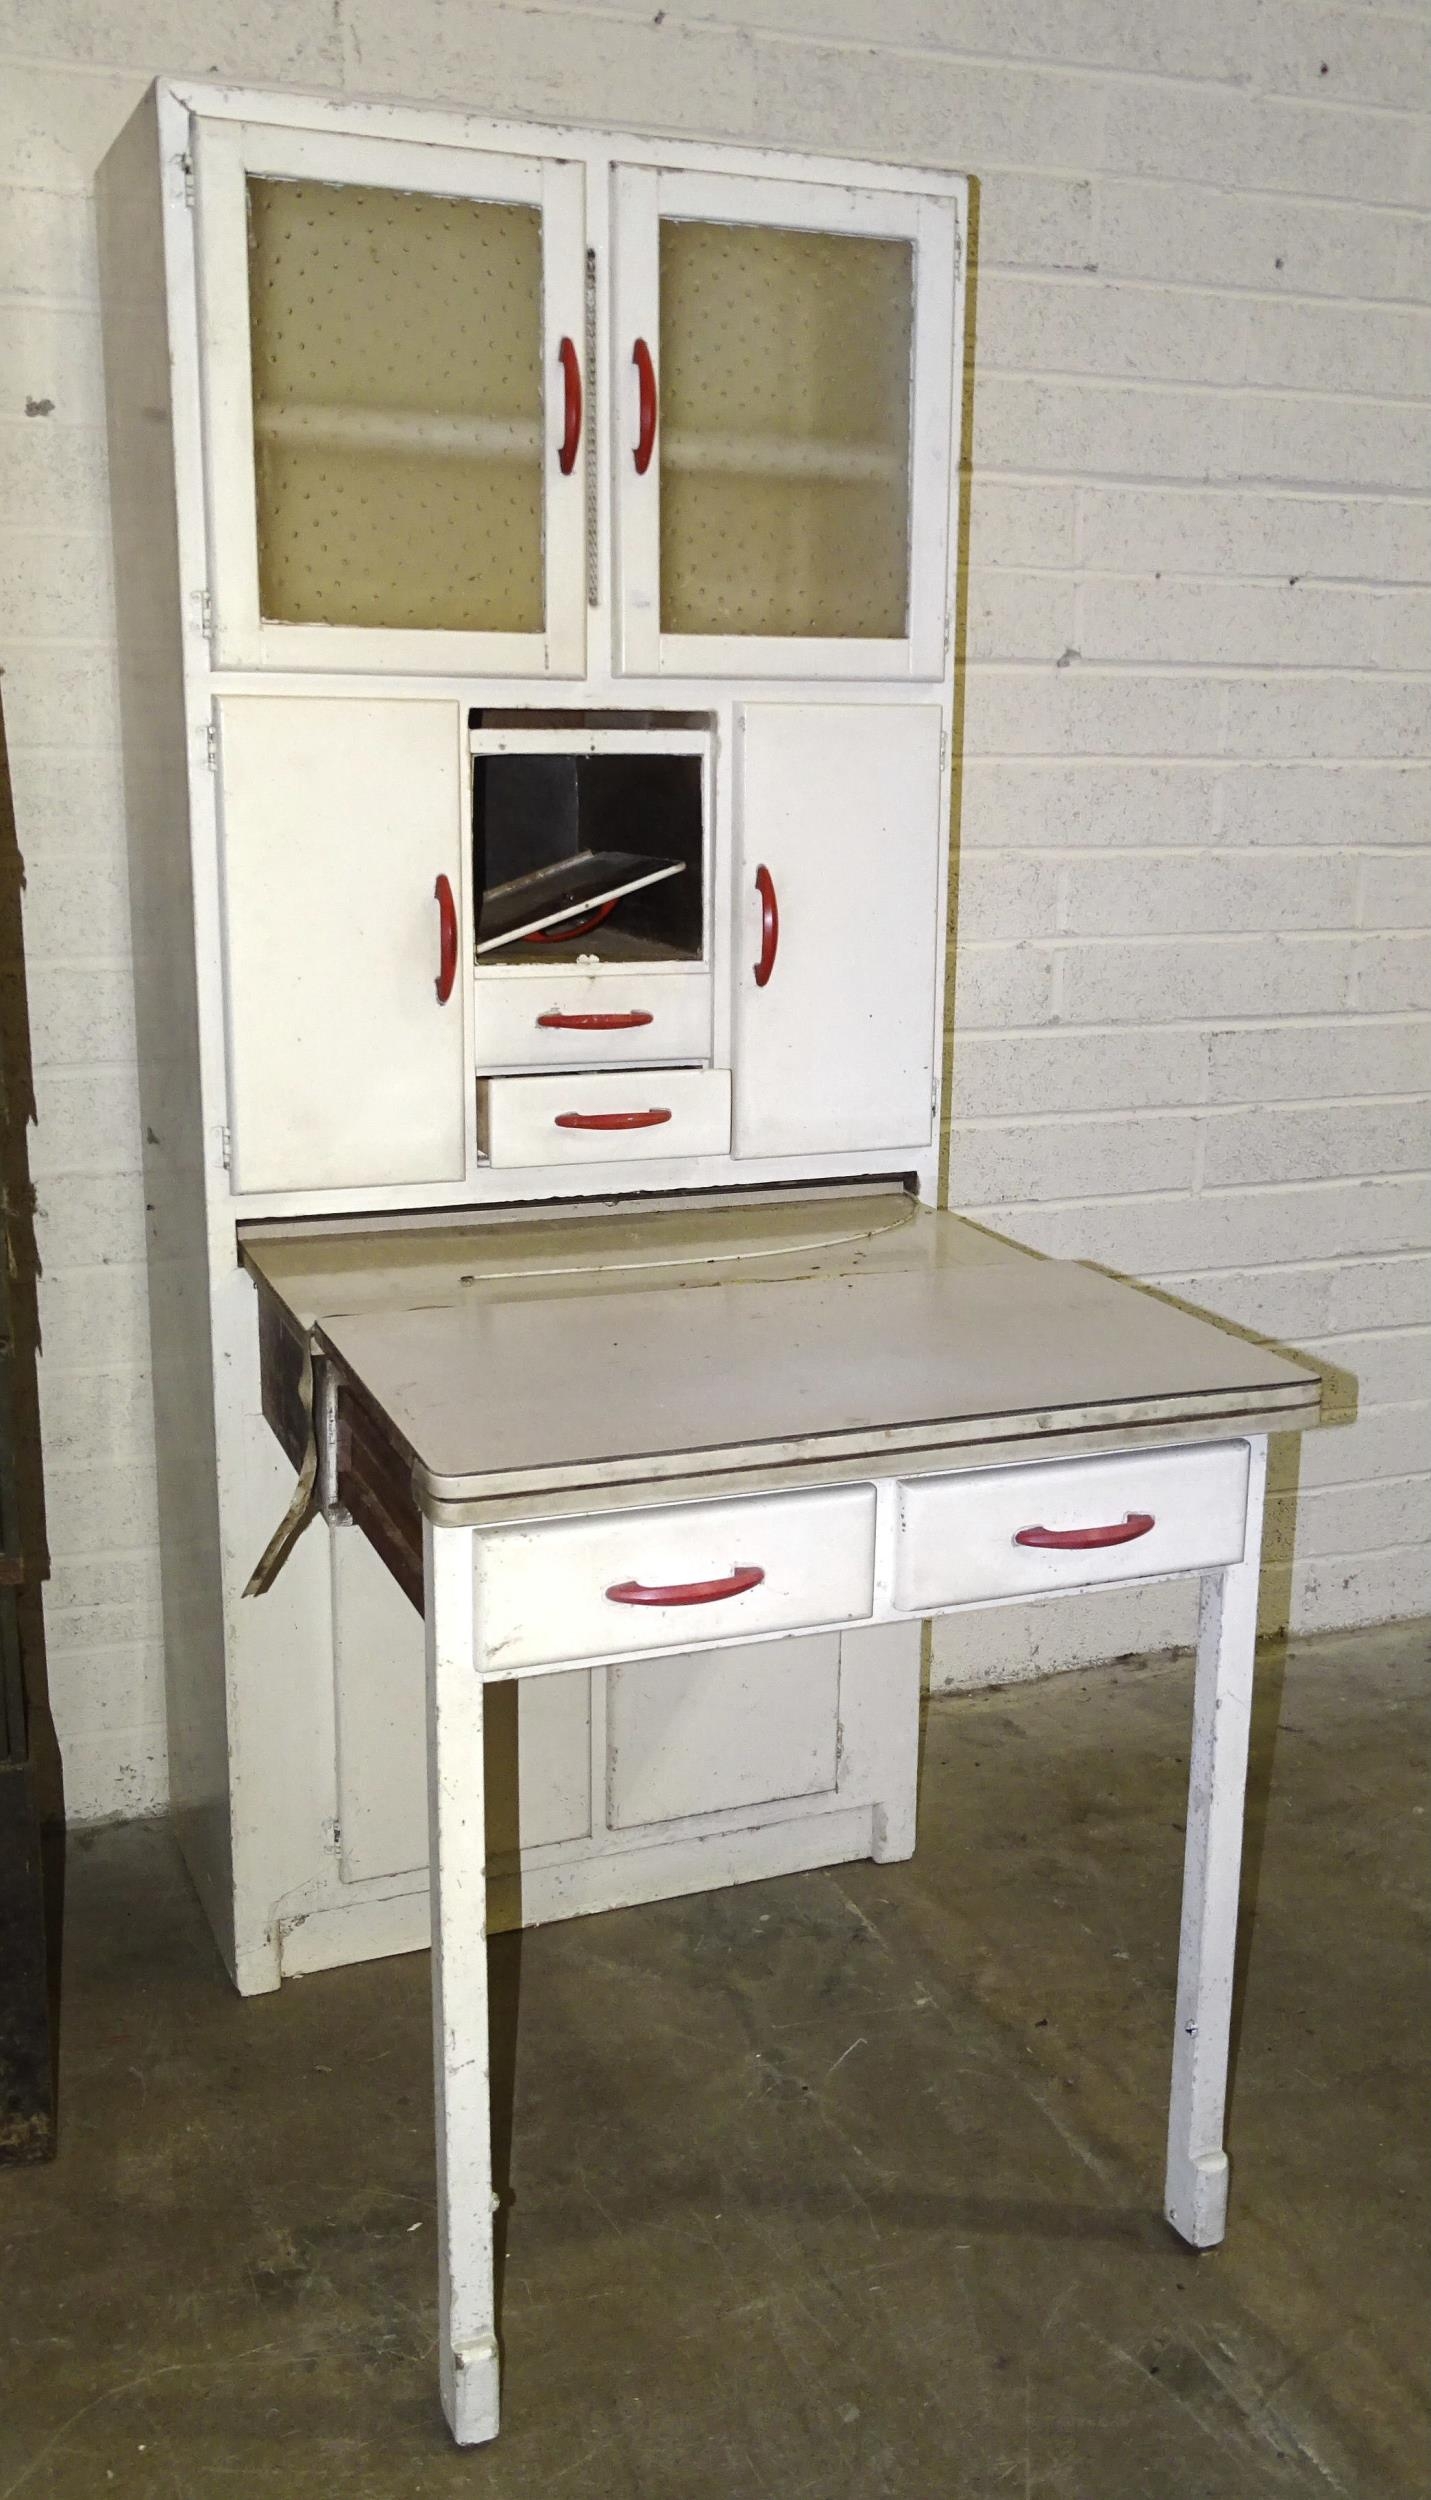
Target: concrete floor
x,y
841,2186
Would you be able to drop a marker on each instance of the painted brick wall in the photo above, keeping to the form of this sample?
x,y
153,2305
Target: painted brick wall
x,y
1192,1038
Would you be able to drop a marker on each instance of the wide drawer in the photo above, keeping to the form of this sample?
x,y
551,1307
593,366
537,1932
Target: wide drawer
x,y
618,1117
1018,1531
630,1581
565,1019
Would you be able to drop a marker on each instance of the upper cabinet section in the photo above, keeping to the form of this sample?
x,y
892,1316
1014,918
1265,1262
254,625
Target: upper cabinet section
x,y
784,352
394,349
542,405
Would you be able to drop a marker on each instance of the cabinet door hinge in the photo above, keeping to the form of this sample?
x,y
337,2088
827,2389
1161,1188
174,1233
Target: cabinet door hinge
x,y
943,748
958,251
206,612
211,746
226,1148
184,179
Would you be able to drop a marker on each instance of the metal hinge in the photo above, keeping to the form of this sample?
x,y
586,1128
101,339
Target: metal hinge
x,y
958,250
226,1148
184,166
943,748
206,612
211,746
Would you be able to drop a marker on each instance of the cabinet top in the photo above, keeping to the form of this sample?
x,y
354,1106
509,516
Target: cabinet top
x,y
922,1335
440,125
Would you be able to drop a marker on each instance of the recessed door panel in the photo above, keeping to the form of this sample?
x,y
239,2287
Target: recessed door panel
x,y
721,1729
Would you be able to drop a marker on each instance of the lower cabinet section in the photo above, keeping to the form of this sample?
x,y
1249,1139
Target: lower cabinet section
x,y
592,1765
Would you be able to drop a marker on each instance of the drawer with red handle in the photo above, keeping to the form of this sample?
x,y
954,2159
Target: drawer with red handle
x,y
1023,1531
676,1578
618,1116
606,1019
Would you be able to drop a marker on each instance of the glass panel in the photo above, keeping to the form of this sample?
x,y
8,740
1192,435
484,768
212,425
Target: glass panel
x,y
785,405
397,401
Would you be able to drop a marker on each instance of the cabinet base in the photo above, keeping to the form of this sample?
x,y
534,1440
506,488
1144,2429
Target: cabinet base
x,y
363,1931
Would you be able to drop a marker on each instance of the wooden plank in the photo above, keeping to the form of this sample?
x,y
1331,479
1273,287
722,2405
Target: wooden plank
x,y
375,1488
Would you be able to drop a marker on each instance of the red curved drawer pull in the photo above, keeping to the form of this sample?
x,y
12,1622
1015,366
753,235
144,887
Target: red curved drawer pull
x,y
626,1022
688,1592
1078,1540
769,926
646,387
611,1119
446,940
571,386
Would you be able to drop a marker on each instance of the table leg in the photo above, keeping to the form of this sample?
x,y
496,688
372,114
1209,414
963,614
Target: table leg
x,y
1195,2199
457,1811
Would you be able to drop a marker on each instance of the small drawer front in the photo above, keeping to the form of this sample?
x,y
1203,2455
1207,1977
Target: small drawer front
x,y
644,1113
570,1019
630,1581
1017,1531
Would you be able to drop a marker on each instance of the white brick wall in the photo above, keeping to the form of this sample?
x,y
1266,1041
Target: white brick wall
x,y
1192,1038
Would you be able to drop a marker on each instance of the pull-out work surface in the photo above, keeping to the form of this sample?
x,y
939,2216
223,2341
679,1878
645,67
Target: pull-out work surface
x,y
594,1438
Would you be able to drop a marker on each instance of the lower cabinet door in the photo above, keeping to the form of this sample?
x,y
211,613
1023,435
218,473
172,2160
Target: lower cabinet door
x,y
538,1735
722,1728
839,833
344,940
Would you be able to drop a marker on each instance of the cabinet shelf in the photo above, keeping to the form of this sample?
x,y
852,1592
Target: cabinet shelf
x,y
314,426
773,455
311,426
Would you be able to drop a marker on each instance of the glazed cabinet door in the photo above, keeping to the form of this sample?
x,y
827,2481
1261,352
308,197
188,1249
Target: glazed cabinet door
x,y
782,362
393,352
839,834
347,927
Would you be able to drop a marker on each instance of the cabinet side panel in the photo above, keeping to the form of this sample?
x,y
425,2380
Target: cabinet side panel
x,y
148,594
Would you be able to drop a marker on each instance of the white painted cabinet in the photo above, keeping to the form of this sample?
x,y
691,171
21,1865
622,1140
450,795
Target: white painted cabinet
x,y
521,501
342,892
784,355
839,839
394,347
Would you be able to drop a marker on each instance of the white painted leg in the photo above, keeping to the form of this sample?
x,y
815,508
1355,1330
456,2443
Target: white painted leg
x,y
1195,2199
457,1811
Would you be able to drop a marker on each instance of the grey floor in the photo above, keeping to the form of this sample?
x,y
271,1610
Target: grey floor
x,y
827,2188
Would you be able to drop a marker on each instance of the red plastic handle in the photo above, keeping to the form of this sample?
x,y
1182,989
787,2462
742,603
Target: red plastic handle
x,y
688,1592
1078,1540
648,404
611,1119
447,941
571,383
624,1023
769,926
573,928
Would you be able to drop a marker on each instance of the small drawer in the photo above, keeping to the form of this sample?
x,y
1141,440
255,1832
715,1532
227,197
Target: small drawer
x,y
1018,1531
628,1581
565,1019
646,1114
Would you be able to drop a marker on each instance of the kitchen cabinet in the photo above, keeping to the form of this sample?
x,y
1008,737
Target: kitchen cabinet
x,y
535,549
